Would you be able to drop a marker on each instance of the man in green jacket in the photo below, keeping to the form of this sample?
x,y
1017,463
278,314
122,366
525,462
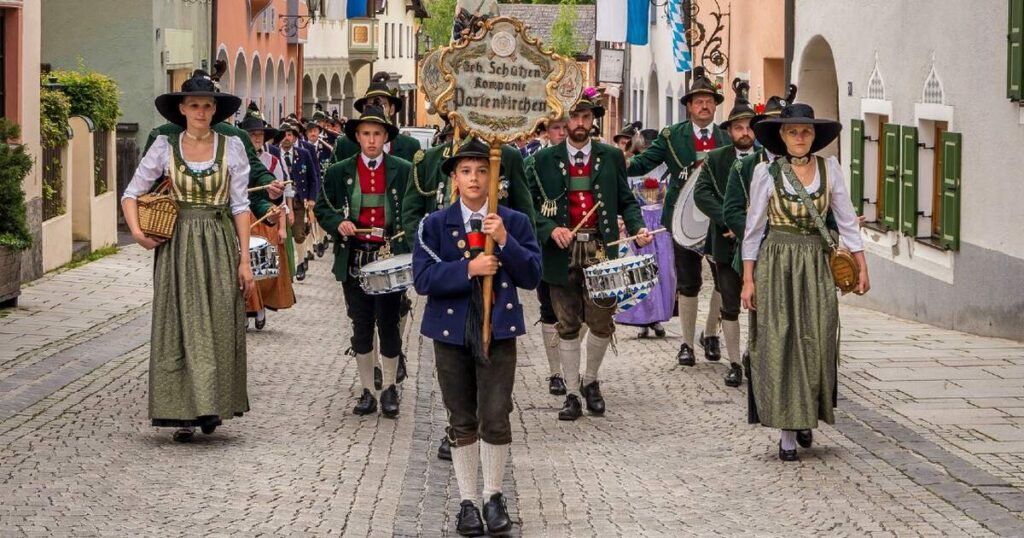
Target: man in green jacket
x,y
378,94
720,242
572,179
682,147
360,193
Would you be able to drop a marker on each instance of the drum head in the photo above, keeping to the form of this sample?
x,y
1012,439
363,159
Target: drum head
x,y
386,264
690,223
256,241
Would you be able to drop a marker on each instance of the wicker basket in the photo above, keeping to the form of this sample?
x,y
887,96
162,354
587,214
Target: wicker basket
x,y
157,214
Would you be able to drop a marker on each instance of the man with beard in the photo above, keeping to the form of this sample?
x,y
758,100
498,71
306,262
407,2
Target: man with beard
x,y
301,168
720,242
682,147
571,179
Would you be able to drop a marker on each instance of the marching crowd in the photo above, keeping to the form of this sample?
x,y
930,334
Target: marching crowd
x,y
602,232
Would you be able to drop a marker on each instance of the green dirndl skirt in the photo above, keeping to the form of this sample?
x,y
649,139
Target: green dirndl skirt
x,y
197,362
795,351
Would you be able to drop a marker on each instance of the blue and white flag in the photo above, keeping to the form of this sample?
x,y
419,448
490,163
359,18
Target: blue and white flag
x,y
680,49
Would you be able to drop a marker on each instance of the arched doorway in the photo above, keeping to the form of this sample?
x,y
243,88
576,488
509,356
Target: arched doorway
x,y
289,106
282,93
349,90
652,120
307,95
819,86
240,78
322,97
225,78
270,96
255,84
336,95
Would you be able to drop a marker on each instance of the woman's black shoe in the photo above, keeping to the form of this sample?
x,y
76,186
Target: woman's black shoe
x,y
300,272
556,385
787,455
804,438
469,522
207,429
184,435
659,331
444,452
496,516
645,332
734,377
367,404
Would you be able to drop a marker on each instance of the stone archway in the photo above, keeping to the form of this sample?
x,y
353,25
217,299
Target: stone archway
x,y
336,95
653,118
307,95
322,96
347,109
225,79
270,96
255,84
819,86
240,78
282,93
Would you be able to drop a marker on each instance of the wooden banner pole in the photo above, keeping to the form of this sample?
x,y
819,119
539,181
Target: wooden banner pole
x,y
492,208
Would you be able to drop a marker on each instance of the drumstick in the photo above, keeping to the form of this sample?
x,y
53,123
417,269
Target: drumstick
x,y
633,237
267,186
585,217
273,211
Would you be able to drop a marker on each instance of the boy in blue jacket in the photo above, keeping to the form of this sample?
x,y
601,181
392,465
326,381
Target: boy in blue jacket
x,y
448,267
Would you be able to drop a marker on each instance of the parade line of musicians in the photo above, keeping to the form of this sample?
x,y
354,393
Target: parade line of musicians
x,y
398,217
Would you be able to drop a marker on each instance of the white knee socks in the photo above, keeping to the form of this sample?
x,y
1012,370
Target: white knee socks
x,y
688,318
466,460
390,371
493,459
548,332
788,440
731,330
714,315
364,362
596,348
569,353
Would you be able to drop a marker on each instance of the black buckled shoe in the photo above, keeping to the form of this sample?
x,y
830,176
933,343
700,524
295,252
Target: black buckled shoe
x,y
734,377
712,347
572,409
184,435
592,394
556,385
300,272
804,438
401,374
309,255
444,451
496,516
367,404
686,356
469,522
787,455
378,378
389,402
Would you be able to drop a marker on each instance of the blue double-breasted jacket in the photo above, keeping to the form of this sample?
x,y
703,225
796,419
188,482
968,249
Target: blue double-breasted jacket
x,y
305,173
440,264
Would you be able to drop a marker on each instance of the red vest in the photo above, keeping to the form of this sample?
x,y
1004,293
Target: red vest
x,y
373,183
580,200
701,146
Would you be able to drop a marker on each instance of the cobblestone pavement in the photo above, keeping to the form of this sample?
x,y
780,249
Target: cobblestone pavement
x,y
929,441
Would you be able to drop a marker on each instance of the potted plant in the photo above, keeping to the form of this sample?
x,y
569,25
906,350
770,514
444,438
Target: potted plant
x,y
15,164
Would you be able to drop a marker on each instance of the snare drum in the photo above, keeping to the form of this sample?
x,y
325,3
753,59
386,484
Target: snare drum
x,y
627,280
262,258
389,275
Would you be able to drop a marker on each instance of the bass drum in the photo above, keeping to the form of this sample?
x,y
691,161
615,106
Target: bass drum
x,y
689,224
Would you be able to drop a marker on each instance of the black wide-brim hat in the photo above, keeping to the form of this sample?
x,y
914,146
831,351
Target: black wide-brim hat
x,y
379,88
586,104
767,130
702,85
251,123
775,105
474,148
199,85
371,114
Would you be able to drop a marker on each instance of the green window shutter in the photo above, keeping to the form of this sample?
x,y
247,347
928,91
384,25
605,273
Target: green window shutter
x,y
891,185
857,164
908,183
1015,51
951,151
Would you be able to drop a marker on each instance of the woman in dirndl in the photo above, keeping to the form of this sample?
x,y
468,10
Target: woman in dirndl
x,y
787,279
197,365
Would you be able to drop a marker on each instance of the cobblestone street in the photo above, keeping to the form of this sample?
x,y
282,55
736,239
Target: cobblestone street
x,y
929,439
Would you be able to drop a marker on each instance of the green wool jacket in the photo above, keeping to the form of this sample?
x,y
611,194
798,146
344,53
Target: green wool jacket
x,y
259,203
341,199
674,147
426,178
708,194
550,180
403,146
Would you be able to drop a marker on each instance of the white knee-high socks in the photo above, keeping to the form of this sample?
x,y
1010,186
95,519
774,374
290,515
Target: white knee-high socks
x,y
569,353
466,460
390,371
731,330
714,315
596,349
493,459
364,362
688,318
549,332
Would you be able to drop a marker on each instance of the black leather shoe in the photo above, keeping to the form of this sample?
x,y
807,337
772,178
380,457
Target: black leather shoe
x,y
556,385
572,409
592,394
378,378
367,404
300,272
400,373
208,429
261,321
659,331
389,402
787,455
804,438
496,516
309,256
735,376
469,522
685,356
320,249
444,452
184,435
712,347
645,332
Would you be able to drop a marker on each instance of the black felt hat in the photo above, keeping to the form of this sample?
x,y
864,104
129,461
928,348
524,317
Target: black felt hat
x,y
767,130
253,121
775,105
590,100
701,84
741,109
371,114
473,147
201,84
379,90
628,131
